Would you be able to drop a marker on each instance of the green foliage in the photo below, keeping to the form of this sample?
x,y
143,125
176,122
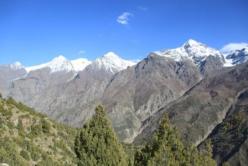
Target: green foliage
x,y
36,140
6,113
9,154
28,138
97,143
166,148
36,130
25,154
45,126
206,156
47,161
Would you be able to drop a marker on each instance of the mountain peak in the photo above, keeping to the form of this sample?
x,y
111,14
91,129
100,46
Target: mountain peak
x,y
111,55
192,42
235,53
193,50
112,62
17,65
59,58
59,63
80,64
232,47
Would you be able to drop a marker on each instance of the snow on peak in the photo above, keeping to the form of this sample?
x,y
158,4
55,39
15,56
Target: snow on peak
x,y
16,66
197,49
59,59
59,63
80,64
112,62
232,47
111,55
192,42
191,49
235,53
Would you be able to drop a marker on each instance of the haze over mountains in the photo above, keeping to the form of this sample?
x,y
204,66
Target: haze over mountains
x,y
198,86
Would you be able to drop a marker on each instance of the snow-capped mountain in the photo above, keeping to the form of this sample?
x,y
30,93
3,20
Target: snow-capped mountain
x,y
80,64
59,63
16,66
196,51
111,62
235,53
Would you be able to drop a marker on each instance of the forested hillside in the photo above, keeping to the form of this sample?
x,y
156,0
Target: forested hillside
x,y
30,138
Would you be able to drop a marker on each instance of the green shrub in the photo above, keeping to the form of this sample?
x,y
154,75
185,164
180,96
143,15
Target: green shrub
x,y
25,154
7,113
45,126
35,156
35,130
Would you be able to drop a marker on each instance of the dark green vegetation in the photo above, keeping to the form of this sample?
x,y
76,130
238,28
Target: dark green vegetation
x,y
97,143
29,138
166,148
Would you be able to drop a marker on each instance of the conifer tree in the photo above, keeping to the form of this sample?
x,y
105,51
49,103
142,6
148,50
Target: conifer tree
x,y
166,148
97,143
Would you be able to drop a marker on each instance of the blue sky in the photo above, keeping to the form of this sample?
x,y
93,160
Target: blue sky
x,y
35,31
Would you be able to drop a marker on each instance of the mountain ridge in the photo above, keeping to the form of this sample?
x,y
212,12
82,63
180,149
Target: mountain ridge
x,y
196,90
229,55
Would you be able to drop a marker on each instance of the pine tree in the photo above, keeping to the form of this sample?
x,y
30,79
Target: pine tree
x,y
97,144
166,148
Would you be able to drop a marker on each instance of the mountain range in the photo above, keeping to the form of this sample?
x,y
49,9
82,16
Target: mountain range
x,y
203,90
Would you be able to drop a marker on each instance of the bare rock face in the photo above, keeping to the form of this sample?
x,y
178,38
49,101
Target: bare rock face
x,y
131,95
79,97
39,88
200,89
204,106
9,73
65,94
240,157
229,138
135,96
68,97
211,65
137,93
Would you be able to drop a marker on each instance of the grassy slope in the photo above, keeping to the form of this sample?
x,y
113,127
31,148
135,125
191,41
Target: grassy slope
x,y
30,138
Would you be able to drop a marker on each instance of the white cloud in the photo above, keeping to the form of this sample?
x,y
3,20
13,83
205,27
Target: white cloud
x,y
124,18
233,46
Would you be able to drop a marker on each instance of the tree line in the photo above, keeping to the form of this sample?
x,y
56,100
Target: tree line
x,y
96,144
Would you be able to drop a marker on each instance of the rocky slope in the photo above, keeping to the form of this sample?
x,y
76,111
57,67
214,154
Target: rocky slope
x,y
9,73
69,92
230,137
205,111
195,84
68,95
135,94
